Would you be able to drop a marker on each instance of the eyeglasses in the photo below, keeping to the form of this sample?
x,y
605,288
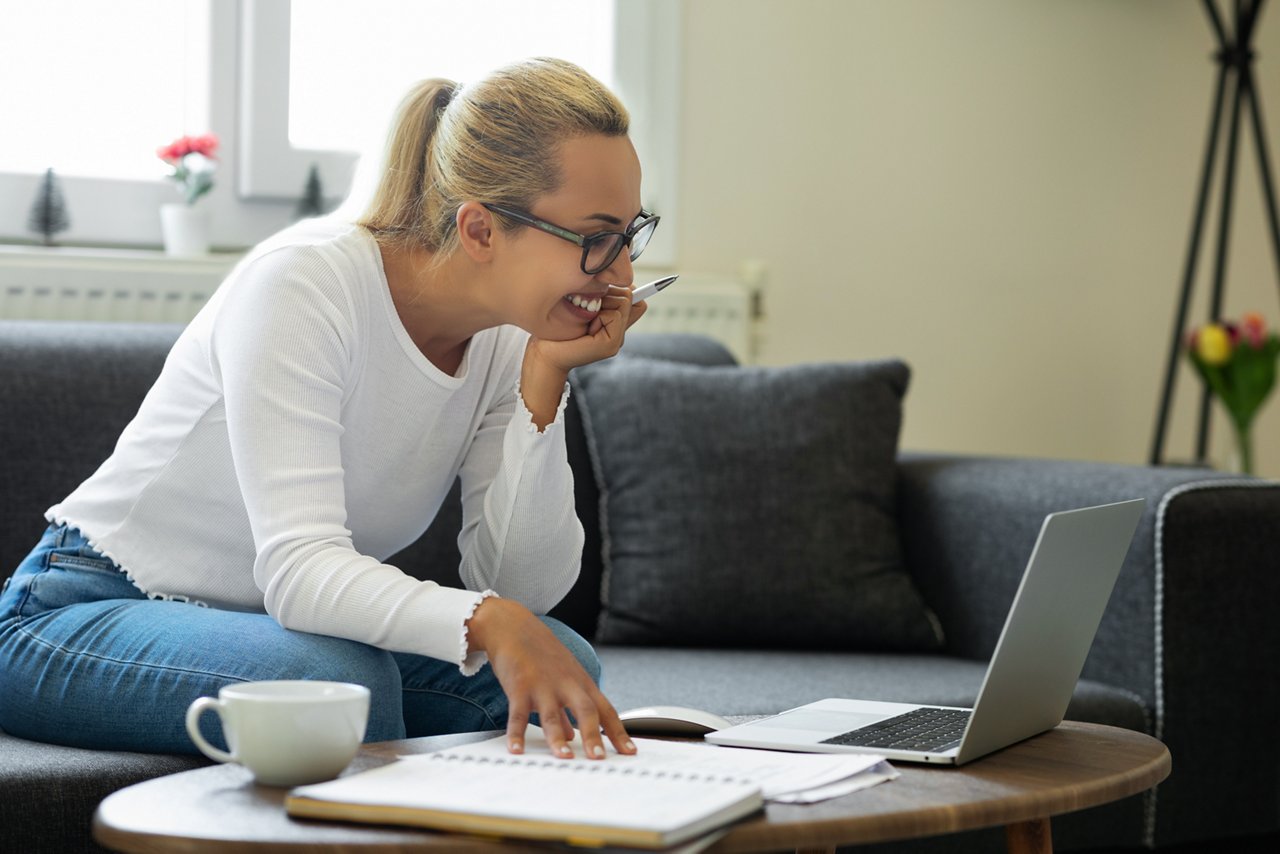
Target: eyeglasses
x,y
598,250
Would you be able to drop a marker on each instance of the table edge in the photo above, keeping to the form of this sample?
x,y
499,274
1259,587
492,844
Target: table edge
x,y
759,832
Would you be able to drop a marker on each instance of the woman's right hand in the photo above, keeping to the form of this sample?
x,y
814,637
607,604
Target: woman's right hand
x,y
538,674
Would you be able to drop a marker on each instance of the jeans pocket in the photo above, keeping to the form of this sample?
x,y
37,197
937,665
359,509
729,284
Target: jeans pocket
x,y
84,558
74,573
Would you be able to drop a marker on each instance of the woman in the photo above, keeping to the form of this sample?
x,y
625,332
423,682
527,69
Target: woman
x,y
311,419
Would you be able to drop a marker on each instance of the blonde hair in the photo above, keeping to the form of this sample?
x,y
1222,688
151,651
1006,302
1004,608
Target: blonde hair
x,y
492,141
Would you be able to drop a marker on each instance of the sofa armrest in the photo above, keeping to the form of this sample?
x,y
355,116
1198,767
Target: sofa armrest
x,y
1189,629
968,526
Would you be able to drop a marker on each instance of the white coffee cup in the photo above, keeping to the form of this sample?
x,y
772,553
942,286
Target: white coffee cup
x,y
288,732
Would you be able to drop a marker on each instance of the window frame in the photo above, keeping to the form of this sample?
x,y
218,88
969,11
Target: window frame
x,y
261,175
272,168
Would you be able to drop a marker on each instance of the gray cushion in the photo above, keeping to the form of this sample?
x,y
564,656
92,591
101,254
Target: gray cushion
x,y
752,506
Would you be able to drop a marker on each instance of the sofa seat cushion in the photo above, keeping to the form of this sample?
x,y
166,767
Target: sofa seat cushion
x,y
752,506
746,682
48,793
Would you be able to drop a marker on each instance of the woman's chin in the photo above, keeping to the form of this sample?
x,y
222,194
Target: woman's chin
x,y
562,334
555,329
567,322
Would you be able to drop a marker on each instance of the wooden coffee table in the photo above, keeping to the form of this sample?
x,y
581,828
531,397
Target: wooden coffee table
x,y
1072,767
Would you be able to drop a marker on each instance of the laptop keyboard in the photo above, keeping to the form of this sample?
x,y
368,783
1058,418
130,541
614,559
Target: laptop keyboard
x,y
927,730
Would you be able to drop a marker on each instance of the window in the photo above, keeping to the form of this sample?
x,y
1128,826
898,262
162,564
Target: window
x,y
92,90
386,61
73,68
287,86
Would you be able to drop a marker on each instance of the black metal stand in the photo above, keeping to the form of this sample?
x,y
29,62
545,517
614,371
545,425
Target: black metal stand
x,y
1235,70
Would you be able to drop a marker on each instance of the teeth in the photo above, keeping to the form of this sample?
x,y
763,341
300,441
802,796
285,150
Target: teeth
x,y
589,305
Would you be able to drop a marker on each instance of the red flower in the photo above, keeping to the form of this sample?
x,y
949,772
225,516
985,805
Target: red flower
x,y
1255,329
204,145
193,175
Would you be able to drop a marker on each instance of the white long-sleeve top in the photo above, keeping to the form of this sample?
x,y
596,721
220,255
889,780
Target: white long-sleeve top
x,y
296,438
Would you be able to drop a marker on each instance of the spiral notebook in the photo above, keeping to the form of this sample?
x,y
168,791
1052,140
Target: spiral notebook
x,y
535,796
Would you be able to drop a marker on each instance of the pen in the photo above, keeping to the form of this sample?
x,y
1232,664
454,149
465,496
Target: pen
x,y
645,291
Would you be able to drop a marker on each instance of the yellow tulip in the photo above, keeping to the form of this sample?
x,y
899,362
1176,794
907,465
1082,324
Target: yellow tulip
x,y
1213,345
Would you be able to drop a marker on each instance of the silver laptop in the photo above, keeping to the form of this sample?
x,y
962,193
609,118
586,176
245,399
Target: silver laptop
x,y
1032,674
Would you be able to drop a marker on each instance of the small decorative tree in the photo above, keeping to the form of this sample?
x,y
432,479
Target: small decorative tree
x,y
312,203
49,211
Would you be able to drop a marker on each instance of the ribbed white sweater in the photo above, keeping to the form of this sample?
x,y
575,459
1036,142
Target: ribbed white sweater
x,y
296,438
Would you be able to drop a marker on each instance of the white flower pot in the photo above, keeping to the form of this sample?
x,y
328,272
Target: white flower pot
x,y
185,228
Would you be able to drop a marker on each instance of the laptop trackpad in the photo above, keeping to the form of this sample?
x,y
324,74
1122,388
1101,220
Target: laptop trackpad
x,y
829,722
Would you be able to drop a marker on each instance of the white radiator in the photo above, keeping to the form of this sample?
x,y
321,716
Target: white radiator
x,y
106,284
120,285
711,305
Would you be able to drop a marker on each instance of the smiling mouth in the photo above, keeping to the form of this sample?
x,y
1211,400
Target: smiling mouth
x,y
591,305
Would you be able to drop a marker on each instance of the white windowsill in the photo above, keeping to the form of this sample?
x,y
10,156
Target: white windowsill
x,y
45,257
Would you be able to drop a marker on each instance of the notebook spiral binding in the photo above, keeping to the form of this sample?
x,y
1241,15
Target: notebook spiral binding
x,y
589,768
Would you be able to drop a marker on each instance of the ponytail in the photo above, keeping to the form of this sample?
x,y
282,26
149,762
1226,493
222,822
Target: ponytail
x,y
401,204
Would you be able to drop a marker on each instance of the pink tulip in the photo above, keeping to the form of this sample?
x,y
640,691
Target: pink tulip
x,y
1255,329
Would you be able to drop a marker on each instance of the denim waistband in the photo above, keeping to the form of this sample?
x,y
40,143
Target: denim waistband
x,y
62,570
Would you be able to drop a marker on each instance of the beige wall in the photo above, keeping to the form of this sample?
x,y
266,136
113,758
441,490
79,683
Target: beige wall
x,y
997,191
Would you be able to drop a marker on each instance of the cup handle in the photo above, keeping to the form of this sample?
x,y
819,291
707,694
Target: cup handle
x,y
193,728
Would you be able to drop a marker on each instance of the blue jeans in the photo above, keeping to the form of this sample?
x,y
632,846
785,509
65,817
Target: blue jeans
x,y
87,660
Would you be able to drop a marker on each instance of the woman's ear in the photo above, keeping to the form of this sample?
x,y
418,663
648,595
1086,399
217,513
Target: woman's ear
x,y
476,230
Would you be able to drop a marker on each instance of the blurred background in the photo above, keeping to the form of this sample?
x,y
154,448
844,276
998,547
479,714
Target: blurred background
x,y
999,192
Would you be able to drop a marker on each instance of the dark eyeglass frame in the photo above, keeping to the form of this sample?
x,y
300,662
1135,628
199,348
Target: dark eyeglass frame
x,y
586,241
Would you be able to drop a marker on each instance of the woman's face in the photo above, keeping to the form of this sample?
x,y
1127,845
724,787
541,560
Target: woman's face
x,y
541,274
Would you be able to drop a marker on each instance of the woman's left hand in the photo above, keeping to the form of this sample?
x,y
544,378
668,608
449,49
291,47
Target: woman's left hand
x,y
547,363
603,337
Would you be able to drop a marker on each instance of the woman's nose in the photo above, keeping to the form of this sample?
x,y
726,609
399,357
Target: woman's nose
x,y
620,272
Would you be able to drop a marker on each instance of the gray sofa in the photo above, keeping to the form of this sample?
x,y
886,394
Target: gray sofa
x,y
1186,650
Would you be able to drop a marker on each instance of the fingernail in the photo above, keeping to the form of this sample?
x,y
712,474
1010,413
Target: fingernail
x,y
597,752
517,747
566,750
630,745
